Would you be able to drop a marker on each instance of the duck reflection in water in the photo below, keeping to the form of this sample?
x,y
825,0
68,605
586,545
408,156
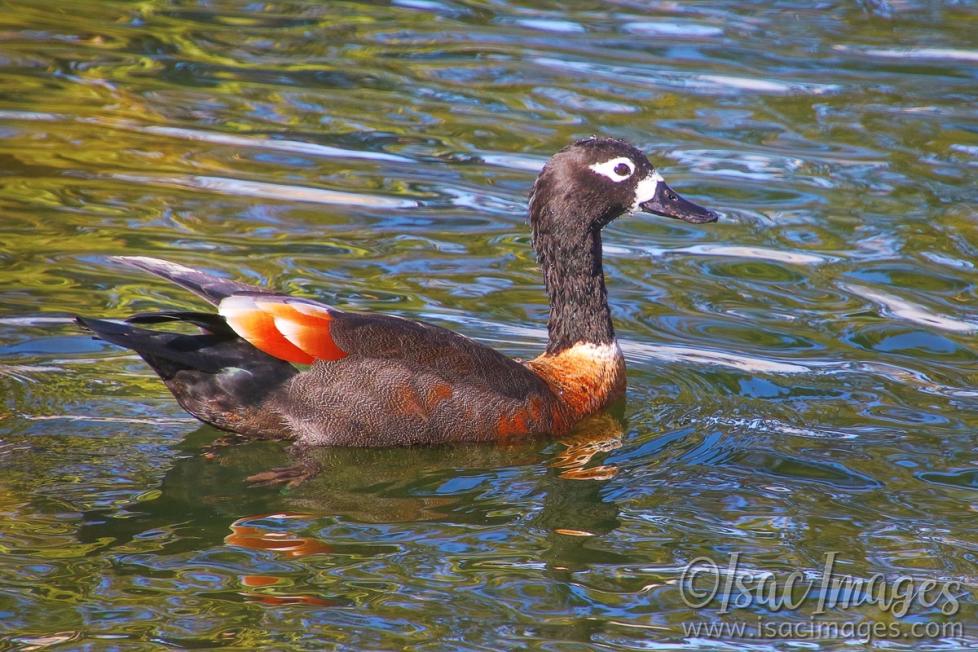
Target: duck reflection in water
x,y
204,501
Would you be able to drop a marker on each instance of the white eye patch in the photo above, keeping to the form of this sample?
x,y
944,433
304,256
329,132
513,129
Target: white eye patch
x,y
617,169
645,189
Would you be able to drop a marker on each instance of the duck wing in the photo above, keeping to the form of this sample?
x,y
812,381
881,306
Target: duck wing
x,y
304,331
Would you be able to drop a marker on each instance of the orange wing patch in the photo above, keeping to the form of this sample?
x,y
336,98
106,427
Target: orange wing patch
x,y
289,329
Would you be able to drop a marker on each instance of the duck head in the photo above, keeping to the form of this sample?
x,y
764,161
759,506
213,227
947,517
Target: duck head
x,y
586,185
580,190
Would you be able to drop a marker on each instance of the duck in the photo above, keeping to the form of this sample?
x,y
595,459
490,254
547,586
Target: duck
x,y
268,365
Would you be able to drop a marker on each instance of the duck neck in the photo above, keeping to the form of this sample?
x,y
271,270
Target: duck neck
x,y
574,278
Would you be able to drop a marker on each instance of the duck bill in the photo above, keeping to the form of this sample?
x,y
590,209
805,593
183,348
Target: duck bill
x,y
667,202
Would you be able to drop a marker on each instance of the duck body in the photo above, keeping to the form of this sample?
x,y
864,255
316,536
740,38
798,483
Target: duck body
x,y
373,380
379,380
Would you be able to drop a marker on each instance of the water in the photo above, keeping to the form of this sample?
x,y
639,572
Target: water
x,y
802,374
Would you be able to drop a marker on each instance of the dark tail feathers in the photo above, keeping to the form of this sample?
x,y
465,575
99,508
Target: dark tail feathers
x,y
215,375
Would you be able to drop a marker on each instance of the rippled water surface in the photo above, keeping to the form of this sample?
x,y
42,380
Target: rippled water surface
x,y
802,374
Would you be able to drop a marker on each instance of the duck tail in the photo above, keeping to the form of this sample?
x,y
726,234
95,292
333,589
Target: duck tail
x,y
210,287
214,375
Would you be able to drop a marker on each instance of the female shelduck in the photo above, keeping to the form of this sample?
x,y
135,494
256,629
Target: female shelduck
x,y
378,380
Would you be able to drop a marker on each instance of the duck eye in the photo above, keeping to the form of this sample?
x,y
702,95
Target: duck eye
x,y
617,169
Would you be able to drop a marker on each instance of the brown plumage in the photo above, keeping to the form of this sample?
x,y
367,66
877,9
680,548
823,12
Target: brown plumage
x,y
378,380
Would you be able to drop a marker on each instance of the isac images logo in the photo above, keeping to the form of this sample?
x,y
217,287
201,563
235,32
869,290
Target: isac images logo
x,y
728,587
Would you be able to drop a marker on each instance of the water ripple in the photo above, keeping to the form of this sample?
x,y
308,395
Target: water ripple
x,y
265,190
903,309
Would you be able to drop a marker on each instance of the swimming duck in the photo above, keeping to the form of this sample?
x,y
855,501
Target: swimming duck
x,y
379,380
